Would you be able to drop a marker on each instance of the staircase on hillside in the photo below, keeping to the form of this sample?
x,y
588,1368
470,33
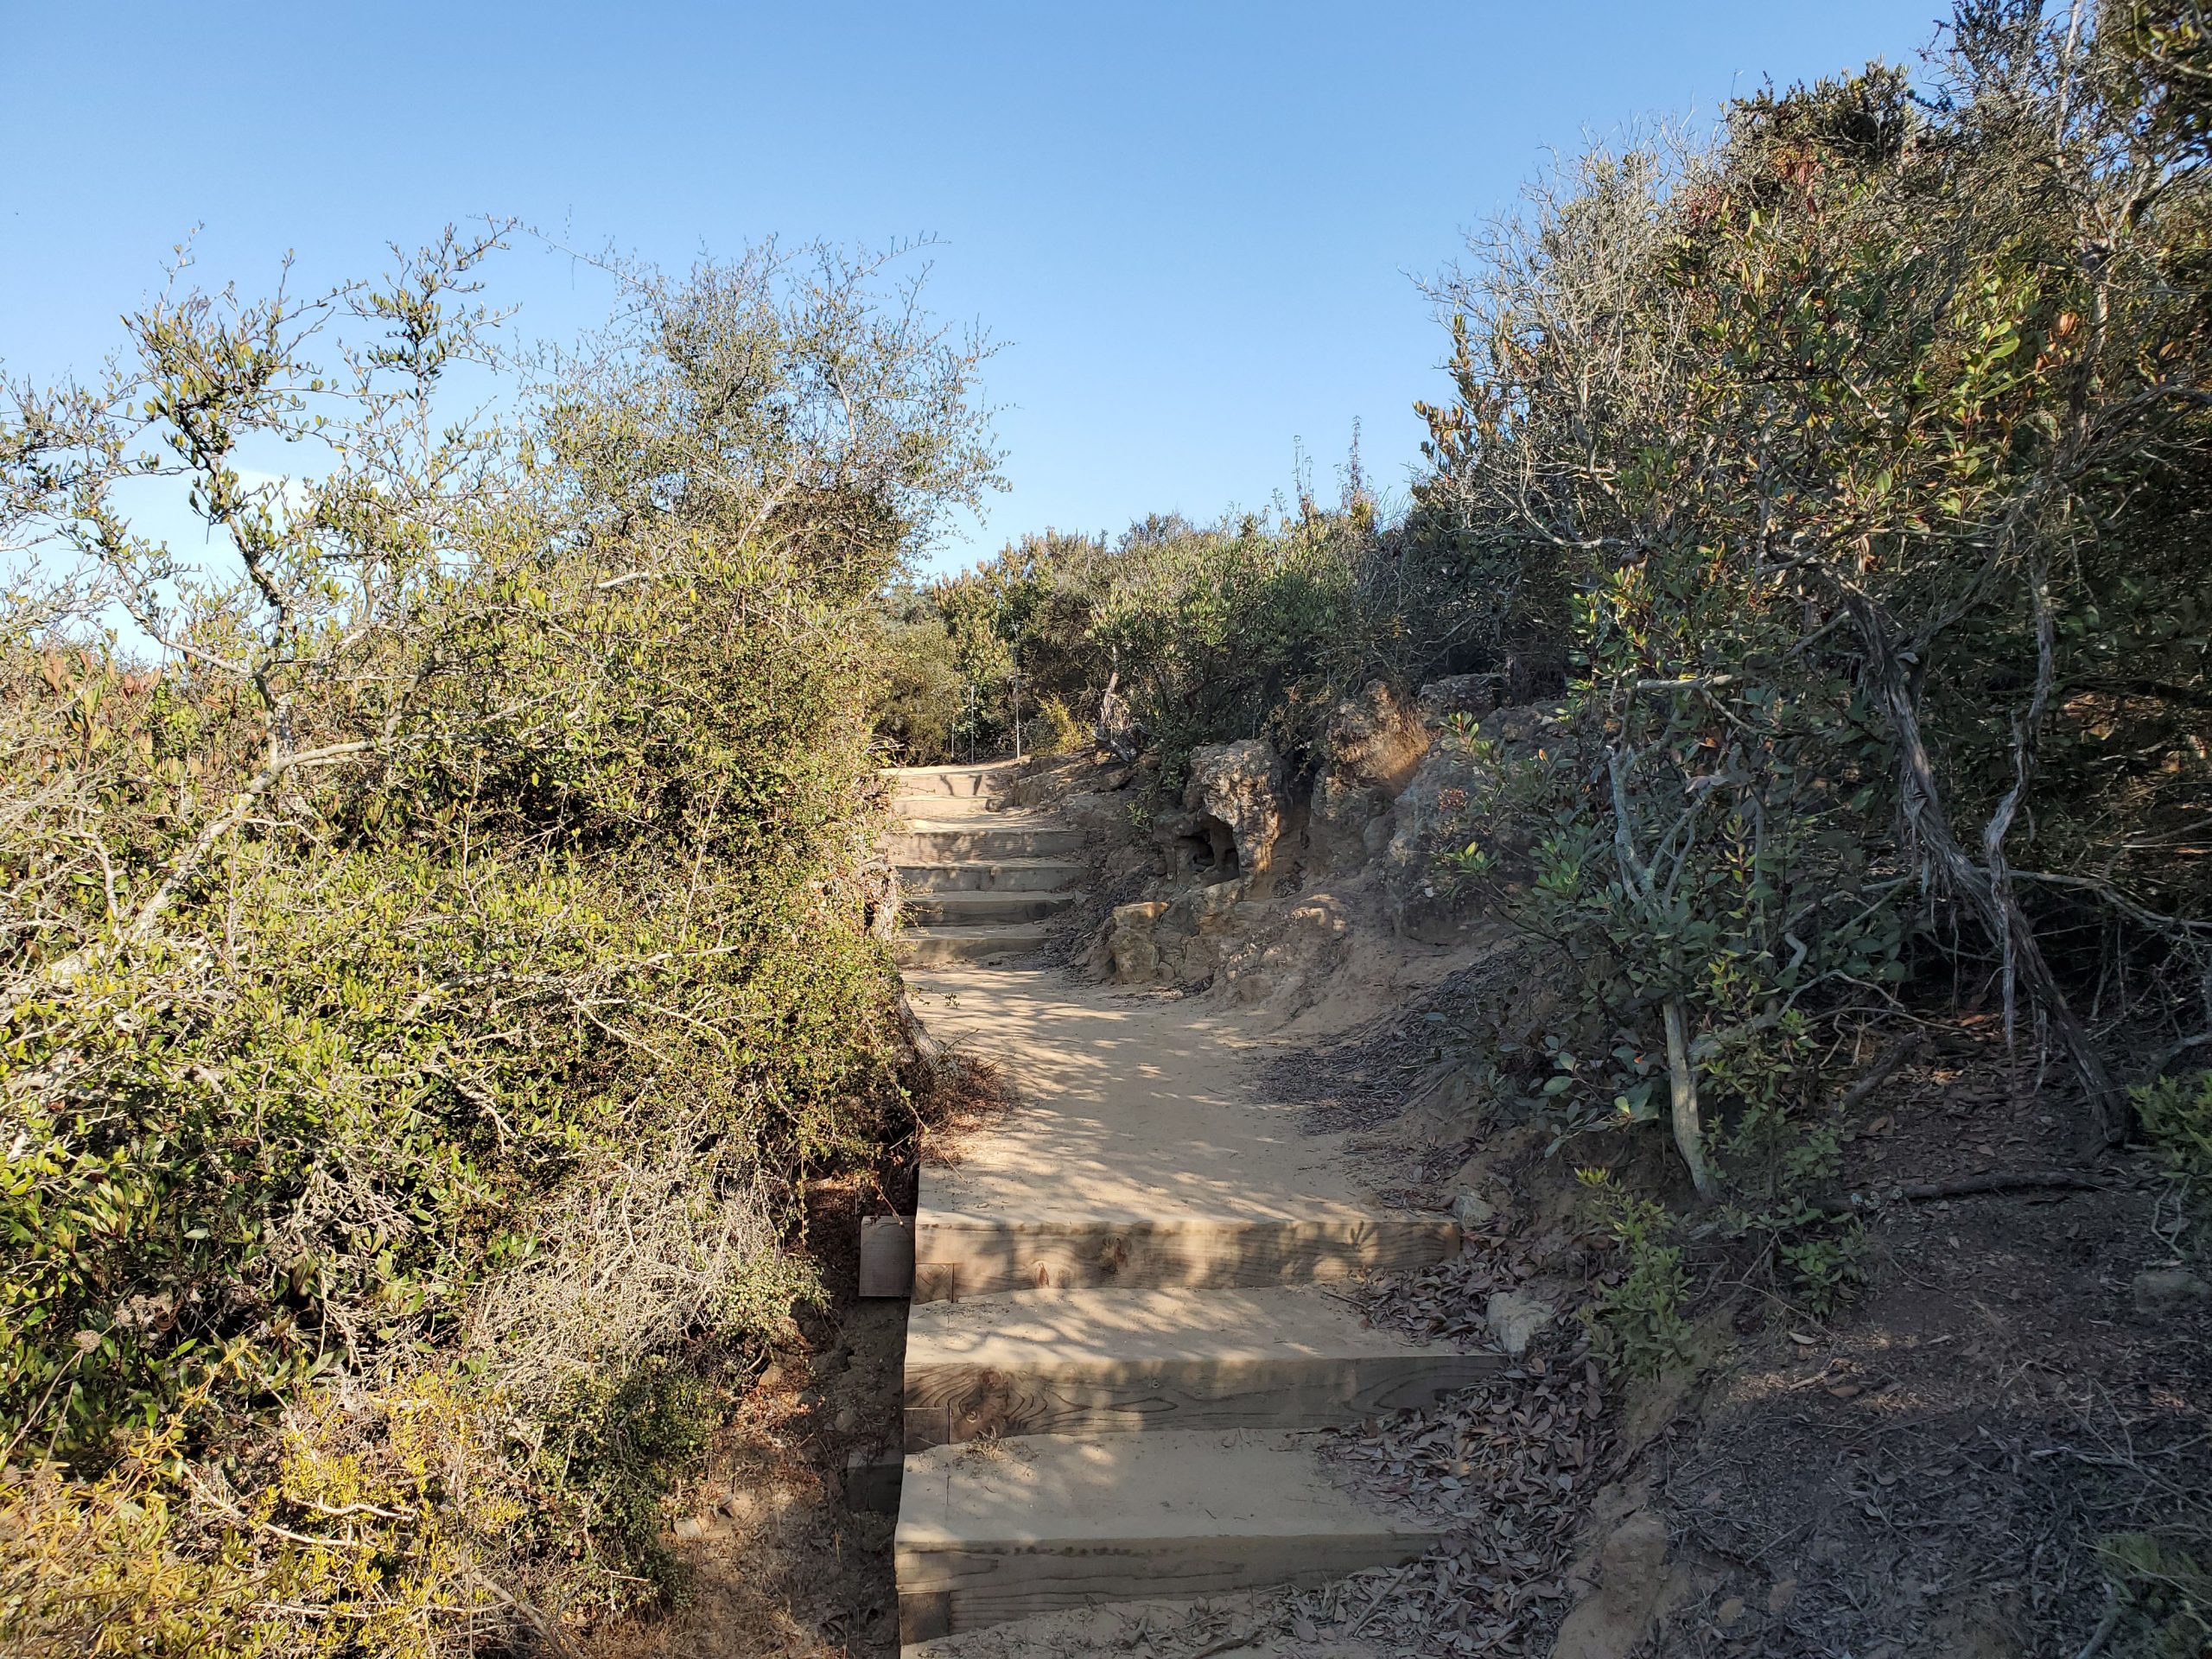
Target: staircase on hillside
x,y
1118,1343
976,879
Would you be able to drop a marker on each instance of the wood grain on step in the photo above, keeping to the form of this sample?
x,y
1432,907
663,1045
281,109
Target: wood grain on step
x,y
948,1404
988,1257
947,1591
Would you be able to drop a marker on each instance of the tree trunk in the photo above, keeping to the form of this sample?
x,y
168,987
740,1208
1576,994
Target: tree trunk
x,y
1993,902
1682,1077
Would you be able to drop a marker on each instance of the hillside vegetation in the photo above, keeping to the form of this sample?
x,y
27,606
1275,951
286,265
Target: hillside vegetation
x,y
1841,482
1825,499
433,959
435,904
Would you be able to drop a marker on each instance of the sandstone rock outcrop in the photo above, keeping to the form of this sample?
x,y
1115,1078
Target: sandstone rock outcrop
x,y
1178,941
1371,746
1292,955
1342,813
1235,790
1374,741
1456,694
1132,952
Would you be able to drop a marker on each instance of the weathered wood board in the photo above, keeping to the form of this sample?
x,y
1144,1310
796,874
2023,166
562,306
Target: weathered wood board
x,y
887,1255
987,1535
967,1589
949,1403
987,1257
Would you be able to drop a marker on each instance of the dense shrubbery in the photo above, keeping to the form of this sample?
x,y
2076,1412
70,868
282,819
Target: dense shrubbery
x,y
1251,627
1869,446
1843,480
429,977
428,973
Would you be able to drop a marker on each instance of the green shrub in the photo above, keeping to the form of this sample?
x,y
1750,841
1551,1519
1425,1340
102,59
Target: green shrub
x,y
1826,1266
1059,731
427,987
1638,1319
1252,626
2175,1114
2165,1598
619,1443
920,700
1809,426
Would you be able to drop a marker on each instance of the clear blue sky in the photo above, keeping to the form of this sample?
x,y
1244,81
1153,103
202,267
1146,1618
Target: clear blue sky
x,y
1190,225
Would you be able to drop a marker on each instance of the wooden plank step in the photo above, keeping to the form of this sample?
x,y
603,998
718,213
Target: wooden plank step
x,y
985,778
983,909
1117,1361
952,808
886,1256
958,1256
930,947
1000,875
953,844
1000,1530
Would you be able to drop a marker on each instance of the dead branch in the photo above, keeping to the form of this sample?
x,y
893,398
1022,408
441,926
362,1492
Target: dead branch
x,y
1884,1066
2017,1180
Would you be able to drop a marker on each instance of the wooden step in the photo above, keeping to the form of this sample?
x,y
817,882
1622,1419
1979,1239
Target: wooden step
x,y
985,778
958,1256
1080,1362
1002,875
982,909
943,808
930,947
938,842
1000,1530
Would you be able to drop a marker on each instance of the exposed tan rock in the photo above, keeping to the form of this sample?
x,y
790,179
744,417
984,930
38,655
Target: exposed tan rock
x,y
1167,942
1291,953
1132,953
1515,1316
1373,740
1371,746
1635,1589
1337,827
1457,694
1237,791
1209,910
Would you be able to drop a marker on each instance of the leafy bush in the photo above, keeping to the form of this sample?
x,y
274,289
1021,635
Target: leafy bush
x,y
1059,731
2176,1117
1235,632
2162,1598
1006,639
1638,1317
1250,627
431,979
921,705
1844,474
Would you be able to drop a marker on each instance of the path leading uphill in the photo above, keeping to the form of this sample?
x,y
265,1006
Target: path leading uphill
x,y
1119,1347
